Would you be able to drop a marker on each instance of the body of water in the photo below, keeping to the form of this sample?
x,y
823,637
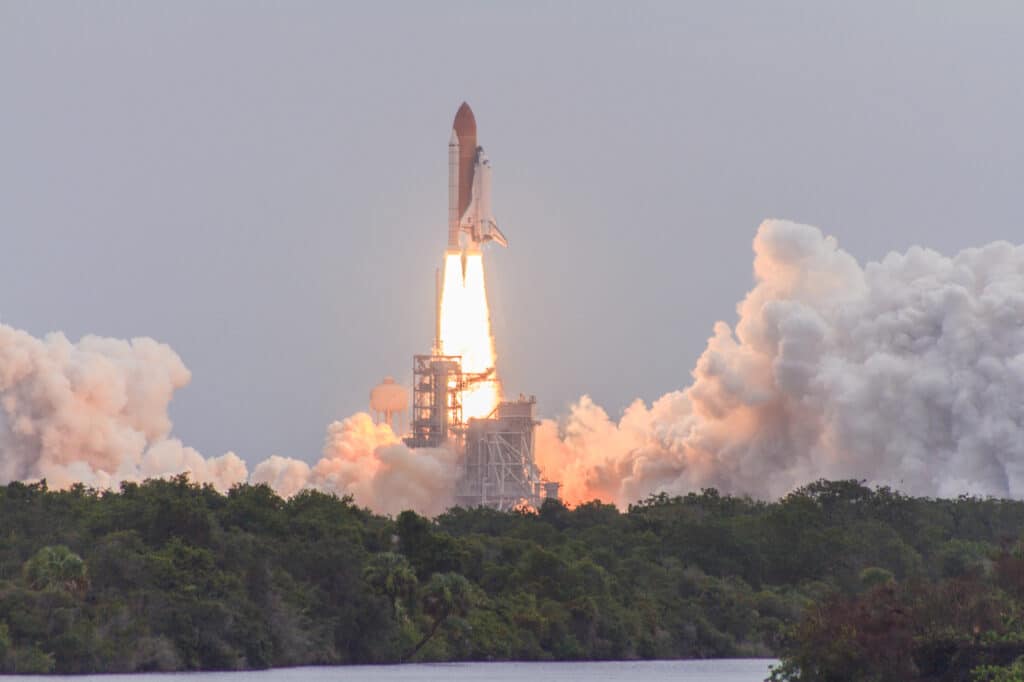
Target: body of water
x,y
728,670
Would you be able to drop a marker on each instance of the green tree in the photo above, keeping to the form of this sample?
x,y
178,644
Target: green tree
x,y
391,575
998,673
5,641
444,596
57,568
872,576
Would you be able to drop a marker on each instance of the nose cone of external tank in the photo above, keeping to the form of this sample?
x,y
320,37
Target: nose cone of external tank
x,y
465,123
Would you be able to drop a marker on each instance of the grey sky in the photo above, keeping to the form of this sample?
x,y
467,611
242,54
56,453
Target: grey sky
x,y
263,185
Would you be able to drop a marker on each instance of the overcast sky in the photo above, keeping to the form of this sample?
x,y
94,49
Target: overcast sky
x,y
263,185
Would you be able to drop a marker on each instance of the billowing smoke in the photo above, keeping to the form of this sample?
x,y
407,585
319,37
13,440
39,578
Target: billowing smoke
x,y
285,475
94,411
369,462
907,372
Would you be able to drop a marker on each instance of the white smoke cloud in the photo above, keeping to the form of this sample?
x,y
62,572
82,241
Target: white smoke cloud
x,y
908,372
94,411
170,457
369,462
285,475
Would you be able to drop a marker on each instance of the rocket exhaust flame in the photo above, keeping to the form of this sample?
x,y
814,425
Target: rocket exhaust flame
x,y
465,328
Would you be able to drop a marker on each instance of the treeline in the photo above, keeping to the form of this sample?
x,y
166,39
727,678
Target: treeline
x,y
168,575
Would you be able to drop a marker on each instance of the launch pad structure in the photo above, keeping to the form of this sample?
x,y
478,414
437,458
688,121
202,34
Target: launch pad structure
x,y
499,469
497,452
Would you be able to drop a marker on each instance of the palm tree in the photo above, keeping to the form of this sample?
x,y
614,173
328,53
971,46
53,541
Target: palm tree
x,y
56,568
446,595
391,575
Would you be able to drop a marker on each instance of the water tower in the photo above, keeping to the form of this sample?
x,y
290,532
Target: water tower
x,y
389,403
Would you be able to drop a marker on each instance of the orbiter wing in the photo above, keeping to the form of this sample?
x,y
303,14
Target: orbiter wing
x,y
478,221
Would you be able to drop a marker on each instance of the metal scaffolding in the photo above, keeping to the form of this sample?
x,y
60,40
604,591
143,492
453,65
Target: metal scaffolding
x,y
438,383
435,405
499,470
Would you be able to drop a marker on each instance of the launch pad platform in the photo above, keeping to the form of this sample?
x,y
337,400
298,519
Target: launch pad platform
x,y
497,451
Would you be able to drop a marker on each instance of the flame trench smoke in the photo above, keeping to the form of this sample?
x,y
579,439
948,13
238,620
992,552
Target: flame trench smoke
x,y
908,372
369,462
95,412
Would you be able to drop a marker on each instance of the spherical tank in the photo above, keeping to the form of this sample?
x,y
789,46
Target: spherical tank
x,y
388,397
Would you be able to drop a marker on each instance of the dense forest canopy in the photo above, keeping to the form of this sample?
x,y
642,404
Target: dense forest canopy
x,y
170,575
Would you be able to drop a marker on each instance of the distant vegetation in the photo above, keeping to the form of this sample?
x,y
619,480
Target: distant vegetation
x,y
844,582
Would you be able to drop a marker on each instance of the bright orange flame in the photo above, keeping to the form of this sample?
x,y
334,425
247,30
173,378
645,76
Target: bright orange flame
x,y
466,329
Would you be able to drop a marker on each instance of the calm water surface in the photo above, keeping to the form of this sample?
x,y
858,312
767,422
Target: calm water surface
x,y
746,670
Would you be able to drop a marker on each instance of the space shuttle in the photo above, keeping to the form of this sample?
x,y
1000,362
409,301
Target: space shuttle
x,y
470,221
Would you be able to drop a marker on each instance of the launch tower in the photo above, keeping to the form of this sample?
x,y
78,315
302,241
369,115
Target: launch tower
x,y
498,467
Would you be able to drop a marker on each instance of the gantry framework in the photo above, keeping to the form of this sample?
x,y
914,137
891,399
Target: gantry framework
x,y
498,467
500,471
438,384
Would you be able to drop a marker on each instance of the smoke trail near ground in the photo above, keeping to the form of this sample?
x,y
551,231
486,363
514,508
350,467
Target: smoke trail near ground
x,y
95,412
369,462
908,372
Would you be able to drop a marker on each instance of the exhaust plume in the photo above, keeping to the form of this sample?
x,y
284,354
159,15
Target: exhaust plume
x,y
907,372
466,328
